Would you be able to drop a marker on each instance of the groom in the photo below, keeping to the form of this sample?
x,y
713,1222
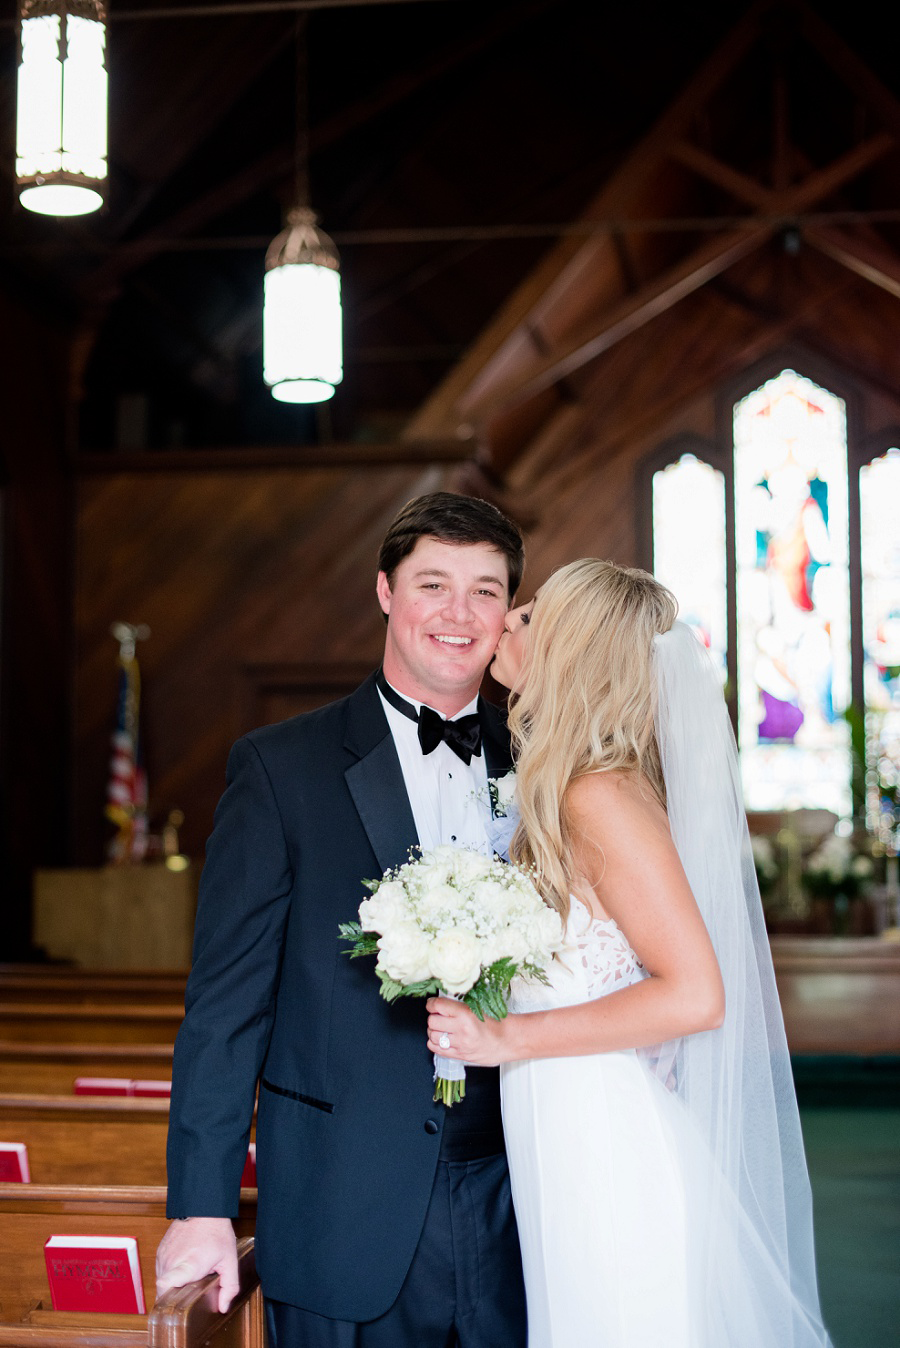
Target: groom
x,y
384,1220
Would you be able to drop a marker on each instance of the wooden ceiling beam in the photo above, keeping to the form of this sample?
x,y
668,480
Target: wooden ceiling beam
x,y
632,313
818,184
822,182
872,261
290,457
736,184
440,412
707,262
279,163
631,431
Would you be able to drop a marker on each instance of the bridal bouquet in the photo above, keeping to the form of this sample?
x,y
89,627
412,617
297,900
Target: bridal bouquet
x,y
458,923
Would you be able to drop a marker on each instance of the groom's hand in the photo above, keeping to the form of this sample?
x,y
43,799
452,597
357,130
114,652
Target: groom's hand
x,y
192,1249
481,1043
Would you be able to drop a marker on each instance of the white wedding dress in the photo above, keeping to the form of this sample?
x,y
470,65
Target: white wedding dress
x,y
629,1237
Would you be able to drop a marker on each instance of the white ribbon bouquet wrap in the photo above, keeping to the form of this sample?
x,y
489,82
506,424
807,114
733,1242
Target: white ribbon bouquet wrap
x,y
457,923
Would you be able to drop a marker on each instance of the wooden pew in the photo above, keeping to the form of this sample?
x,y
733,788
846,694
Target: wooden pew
x,y
185,1318
111,1141
85,985
51,1069
112,1023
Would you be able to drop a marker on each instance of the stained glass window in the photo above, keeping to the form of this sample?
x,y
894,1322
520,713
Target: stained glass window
x,y
793,596
879,502
689,547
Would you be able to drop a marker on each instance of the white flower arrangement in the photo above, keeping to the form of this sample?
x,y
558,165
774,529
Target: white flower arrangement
x,y
459,923
836,867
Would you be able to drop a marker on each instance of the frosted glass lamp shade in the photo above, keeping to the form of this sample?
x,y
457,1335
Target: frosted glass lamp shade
x,y
302,327
302,347
61,117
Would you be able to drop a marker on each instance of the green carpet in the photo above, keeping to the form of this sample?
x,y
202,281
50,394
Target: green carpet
x,y
854,1165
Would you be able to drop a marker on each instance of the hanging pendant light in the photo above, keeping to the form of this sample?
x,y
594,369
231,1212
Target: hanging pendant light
x,y
61,116
302,329
302,337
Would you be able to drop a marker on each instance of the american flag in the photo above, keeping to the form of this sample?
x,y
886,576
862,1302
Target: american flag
x,y
126,792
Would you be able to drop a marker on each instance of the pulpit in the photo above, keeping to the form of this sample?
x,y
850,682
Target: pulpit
x,y
117,917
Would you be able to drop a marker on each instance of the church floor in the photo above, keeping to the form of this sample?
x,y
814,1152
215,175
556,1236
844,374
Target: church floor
x,y
852,1135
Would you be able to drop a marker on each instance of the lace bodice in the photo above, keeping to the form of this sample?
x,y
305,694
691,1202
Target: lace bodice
x,y
595,960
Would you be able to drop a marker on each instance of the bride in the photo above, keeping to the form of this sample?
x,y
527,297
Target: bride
x,y
654,1144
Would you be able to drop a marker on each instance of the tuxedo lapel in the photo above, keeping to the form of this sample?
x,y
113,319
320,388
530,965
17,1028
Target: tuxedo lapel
x,y
497,756
375,780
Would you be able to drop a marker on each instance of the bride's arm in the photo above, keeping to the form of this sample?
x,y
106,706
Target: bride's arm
x,y
626,853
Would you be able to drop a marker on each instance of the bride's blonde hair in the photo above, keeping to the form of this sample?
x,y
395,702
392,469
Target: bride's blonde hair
x,y
584,704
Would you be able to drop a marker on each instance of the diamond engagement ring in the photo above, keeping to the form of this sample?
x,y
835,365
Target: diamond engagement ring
x,y
444,1041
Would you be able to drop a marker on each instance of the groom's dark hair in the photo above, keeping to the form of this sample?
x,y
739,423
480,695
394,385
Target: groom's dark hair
x,y
452,519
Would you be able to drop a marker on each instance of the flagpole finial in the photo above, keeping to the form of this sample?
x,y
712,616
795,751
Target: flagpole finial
x,y
128,635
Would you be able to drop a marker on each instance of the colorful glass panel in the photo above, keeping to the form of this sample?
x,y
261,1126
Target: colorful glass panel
x,y
793,596
879,504
689,547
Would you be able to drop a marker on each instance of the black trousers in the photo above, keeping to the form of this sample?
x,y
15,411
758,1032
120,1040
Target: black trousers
x,y
464,1287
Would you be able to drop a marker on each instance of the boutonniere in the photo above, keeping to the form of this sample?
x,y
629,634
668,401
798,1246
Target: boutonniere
x,y
504,814
502,791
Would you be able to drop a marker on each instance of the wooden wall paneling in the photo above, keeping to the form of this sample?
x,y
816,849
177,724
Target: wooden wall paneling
x,y
232,571
34,689
274,692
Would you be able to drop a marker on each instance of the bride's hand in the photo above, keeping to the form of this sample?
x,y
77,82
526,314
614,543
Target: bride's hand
x,y
477,1042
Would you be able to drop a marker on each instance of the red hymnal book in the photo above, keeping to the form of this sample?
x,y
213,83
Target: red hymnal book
x,y
14,1163
94,1273
248,1178
103,1086
154,1089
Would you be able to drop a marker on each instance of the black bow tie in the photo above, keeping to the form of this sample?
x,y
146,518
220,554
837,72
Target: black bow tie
x,y
463,736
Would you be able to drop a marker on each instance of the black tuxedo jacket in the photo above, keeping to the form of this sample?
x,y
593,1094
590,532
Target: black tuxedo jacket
x,y
346,1154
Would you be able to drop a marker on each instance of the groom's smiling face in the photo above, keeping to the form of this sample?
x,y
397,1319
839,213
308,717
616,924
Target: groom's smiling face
x,y
446,606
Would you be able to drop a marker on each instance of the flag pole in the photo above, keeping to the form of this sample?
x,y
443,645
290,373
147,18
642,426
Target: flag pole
x,y
126,792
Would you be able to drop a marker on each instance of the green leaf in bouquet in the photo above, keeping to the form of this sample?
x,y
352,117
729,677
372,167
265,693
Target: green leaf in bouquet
x,y
363,942
429,988
474,1000
391,989
490,994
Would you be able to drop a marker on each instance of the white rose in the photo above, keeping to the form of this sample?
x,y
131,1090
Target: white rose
x,y
442,899
455,961
544,933
506,790
387,906
494,899
442,855
403,953
469,866
511,943
427,874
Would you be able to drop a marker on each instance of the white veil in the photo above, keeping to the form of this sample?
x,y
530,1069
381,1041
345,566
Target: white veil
x,y
754,1202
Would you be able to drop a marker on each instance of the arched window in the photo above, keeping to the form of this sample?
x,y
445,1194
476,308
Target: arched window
x,y
793,596
773,528
689,547
879,503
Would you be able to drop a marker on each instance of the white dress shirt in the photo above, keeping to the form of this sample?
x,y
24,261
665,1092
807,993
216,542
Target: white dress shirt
x,y
449,798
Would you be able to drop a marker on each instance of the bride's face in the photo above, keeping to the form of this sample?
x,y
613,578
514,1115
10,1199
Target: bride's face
x,y
509,662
